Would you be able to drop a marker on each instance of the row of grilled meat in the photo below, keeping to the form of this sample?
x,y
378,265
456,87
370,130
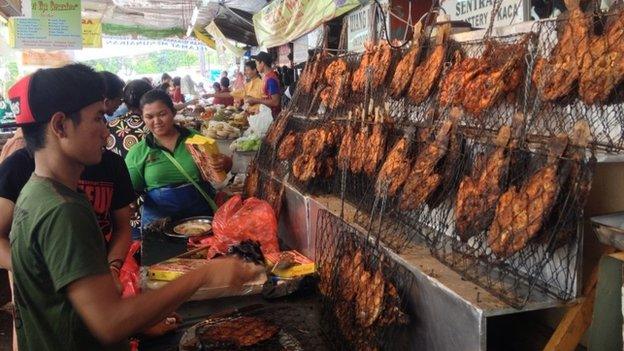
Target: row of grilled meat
x,y
424,168
593,62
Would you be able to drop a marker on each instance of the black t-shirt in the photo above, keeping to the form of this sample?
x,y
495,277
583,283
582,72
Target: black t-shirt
x,y
106,185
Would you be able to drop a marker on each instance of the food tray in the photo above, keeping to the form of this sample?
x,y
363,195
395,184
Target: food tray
x,y
610,229
170,229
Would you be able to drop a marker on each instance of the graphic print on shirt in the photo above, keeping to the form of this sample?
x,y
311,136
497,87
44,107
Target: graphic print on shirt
x,y
100,195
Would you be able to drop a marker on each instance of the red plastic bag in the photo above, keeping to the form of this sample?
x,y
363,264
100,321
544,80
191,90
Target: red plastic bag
x,y
239,220
129,272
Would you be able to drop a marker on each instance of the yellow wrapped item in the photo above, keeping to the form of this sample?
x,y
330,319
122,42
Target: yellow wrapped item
x,y
201,149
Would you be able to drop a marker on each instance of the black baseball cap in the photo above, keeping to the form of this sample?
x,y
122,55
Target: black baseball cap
x,y
36,97
263,56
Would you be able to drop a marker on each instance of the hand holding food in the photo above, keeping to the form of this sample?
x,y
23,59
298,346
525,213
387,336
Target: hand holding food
x,y
230,271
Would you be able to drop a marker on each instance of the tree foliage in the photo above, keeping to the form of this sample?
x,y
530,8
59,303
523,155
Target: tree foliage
x,y
155,62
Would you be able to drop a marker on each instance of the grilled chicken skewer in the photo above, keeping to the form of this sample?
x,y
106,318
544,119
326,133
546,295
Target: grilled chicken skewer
x,y
405,69
377,145
426,74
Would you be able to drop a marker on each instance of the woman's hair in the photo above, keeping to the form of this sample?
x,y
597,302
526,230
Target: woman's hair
x,y
133,92
216,86
164,87
156,95
165,77
176,81
225,82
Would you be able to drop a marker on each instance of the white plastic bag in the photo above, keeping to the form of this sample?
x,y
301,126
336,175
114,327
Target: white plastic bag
x,y
259,123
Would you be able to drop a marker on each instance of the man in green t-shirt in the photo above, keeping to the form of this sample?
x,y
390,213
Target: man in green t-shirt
x,y
65,296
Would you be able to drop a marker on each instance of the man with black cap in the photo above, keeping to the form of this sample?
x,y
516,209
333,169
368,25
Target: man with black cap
x,y
65,296
272,92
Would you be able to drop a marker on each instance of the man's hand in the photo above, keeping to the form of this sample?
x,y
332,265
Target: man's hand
x,y
115,274
230,271
250,100
167,325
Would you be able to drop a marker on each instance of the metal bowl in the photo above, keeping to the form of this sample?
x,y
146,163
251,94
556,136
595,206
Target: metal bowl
x,y
173,229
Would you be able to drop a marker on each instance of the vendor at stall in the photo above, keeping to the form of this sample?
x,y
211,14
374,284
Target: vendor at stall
x,y
65,296
271,86
222,94
254,87
161,167
176,91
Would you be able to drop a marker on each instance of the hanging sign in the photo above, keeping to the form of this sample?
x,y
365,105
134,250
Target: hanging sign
x,y
91,33
53,25
283,21
478,12
358,28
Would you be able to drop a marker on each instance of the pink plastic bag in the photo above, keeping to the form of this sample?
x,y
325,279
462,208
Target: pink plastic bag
x,y
129,272
239,220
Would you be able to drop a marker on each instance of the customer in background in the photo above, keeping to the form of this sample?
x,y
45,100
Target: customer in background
x,y
113,93
14,143
176,91
224,95
163,169
239,81
129,129
254,87
271,85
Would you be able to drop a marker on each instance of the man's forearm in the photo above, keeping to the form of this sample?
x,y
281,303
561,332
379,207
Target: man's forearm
x,y
120,242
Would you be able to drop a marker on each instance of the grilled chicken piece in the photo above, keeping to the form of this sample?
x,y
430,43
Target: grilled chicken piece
x,y
463,70
478,194
237,331
603,65
404,71
376,145
313,141
422,181
392,313
486,88
426,75
395,169
337,78
304,167
287,147
277,129
273,194
381,63
521,212
369,299
346,148
361,142
555,76
251,182
311,74
359,76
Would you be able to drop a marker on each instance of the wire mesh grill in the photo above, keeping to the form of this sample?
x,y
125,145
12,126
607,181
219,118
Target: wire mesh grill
x,y
587,91
549,260
365,292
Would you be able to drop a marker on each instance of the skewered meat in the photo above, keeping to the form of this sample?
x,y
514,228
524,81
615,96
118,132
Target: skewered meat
x,y
381,63
312,73
277,129
334,133
422,180
477,195
273,194
521,212
313,141
376,146
392,313
395,169
287,147
337,77
369,299
603,65
359,154
486,88
555,76
304,167
236,332
251,182
404,71
359,76
452,86
346,148
426,75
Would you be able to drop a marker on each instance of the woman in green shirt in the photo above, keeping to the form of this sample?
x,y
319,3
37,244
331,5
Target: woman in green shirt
x,y
161,167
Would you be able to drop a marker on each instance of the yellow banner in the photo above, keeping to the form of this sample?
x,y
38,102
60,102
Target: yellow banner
x,y
91,33
283,21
